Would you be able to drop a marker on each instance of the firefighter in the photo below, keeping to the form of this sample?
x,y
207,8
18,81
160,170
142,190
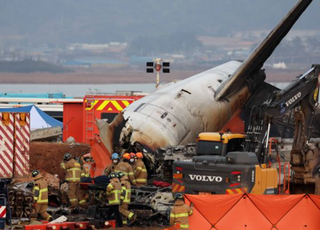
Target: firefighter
x,y
140,171
115,161
82,193
73,171
113,195
40,195
126,168
128,217
132,159
180,212
88,165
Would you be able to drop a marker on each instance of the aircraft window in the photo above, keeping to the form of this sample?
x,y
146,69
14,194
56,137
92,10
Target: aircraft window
x,y
211,88
154,113
164,115
186,91
139,107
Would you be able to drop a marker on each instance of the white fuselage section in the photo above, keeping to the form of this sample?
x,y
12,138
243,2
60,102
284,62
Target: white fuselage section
x,y
175,113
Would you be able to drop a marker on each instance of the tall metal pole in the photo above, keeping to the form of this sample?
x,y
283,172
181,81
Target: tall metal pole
x,y
158,67
158,79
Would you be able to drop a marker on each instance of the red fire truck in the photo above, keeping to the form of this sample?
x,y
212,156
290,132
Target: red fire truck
x,y
79,122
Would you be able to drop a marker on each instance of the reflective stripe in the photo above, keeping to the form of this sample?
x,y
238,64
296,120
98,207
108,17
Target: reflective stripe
x,y
82,201
171,215
73,178
141,169
180,215
40,200
141,180
62,166
74,199
130,215
48,217
113,202
127,199
110,186
125,173
184,225
116,199
131,173
190,213
74,169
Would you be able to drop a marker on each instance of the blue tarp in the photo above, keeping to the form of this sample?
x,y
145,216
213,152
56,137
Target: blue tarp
x,y
38,118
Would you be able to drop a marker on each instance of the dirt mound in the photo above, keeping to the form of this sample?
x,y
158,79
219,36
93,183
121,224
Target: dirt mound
x,y
48,155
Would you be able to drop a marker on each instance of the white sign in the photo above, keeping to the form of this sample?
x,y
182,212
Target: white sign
x,y
205,178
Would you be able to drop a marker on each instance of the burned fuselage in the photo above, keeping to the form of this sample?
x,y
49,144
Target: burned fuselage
x,y
175,113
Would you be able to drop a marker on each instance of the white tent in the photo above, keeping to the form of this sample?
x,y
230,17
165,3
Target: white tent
x,y
38,118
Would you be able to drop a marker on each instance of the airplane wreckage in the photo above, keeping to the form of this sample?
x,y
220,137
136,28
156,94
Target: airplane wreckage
x,y
175,113
173,116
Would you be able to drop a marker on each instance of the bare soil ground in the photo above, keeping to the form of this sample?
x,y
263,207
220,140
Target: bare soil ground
x,y
119,77
48,155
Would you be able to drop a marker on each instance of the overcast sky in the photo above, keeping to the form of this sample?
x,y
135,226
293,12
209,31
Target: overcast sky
x,y
99,21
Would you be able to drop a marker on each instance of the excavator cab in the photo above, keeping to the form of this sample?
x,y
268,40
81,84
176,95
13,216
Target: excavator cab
x,y
218,143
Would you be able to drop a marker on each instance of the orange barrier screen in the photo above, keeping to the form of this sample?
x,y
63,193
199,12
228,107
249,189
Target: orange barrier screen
x,y
252,212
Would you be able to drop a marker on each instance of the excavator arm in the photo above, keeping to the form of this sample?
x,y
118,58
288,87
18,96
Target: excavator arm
x,y
298,101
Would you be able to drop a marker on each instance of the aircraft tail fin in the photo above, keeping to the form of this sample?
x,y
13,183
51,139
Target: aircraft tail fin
x,y
256,59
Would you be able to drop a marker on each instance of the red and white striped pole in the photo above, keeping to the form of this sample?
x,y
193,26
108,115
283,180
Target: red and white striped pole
x,y
158,67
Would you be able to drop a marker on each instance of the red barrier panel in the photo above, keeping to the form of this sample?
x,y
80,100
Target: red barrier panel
x,y
252,212
68,225
57,226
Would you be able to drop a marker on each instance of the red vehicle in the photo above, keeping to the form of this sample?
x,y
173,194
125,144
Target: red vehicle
x,y
79,118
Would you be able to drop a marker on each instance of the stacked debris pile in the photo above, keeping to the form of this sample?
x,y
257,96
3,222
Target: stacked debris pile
x,y
20,198
152,205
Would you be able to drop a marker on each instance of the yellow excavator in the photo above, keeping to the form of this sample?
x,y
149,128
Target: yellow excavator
x,y
236,163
